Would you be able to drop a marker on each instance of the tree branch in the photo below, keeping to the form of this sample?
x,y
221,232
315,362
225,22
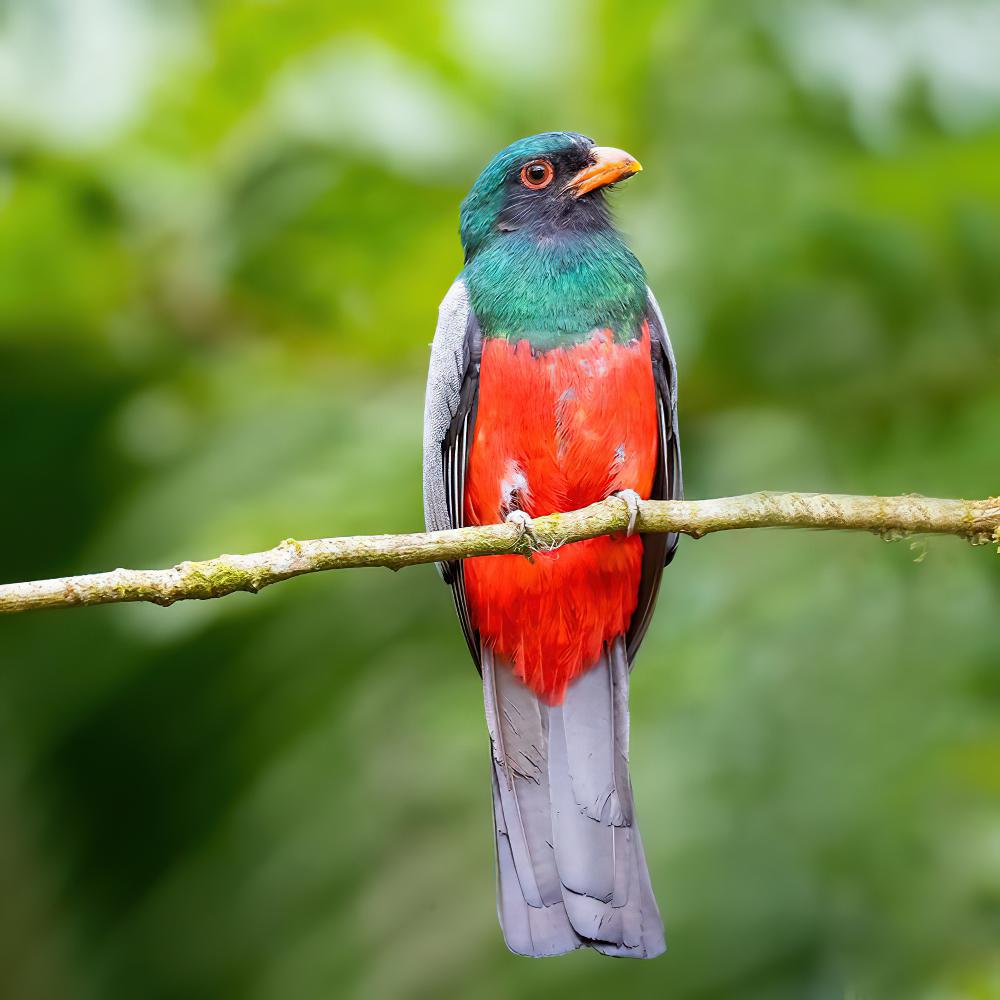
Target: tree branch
x,y
975,520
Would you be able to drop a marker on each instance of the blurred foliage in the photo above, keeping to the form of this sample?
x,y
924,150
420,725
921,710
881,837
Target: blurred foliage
x,y
224,231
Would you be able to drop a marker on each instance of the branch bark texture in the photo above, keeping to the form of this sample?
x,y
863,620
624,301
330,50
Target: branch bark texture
x,y
977,521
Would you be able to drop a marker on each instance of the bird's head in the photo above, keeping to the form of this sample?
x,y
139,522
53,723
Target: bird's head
x,y
547,184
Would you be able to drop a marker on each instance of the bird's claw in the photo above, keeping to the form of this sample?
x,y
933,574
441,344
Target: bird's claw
x,y
524,528
631,500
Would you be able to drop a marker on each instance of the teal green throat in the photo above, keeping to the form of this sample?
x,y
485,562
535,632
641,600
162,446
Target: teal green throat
x,y
553,290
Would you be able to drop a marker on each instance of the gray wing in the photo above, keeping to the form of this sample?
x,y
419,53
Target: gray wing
x,y
449,418
665,373
658,550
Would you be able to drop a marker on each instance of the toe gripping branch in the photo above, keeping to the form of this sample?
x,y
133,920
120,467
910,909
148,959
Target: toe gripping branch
x,y
527,540
631,500
528,543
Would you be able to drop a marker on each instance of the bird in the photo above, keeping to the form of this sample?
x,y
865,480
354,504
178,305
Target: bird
x,y
552,385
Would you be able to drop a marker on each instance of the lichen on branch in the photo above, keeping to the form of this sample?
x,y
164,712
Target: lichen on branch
x,y
977,521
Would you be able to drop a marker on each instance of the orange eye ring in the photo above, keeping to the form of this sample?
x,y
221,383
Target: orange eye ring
x,y
537,174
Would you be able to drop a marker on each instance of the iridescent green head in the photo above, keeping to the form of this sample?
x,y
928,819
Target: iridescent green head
x,y
550,184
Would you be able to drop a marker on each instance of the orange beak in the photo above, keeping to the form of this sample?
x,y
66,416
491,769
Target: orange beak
x,y
608,166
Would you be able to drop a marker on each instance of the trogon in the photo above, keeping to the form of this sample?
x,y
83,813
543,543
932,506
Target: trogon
x,y
552,385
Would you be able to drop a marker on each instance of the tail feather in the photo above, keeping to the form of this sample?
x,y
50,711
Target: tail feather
x,y
528,930
584,847
516,722
595,724
642,927
570,866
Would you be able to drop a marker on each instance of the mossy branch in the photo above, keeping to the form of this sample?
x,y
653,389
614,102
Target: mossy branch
x,y
977,521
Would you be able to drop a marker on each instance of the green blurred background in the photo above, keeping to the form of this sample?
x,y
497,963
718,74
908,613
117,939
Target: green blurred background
x,y
224,231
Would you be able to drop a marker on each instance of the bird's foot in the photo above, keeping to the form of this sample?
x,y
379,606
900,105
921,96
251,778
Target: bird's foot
x,y
631,500
524,529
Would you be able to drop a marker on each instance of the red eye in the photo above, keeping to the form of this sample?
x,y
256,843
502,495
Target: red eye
x,y
537,174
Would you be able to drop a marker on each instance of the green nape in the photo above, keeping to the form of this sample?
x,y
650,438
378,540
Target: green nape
x,y
558,289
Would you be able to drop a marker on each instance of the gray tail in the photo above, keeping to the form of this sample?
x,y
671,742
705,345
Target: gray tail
x,y
571,871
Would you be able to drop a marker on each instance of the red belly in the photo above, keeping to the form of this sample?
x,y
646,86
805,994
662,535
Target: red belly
x,y
556,431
